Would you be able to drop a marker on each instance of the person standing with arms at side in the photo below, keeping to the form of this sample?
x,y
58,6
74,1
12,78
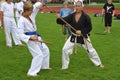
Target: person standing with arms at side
x,y
9,23
109,11
65,11
82,23
27,31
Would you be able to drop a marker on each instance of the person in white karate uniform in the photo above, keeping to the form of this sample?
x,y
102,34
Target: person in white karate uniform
x,y
27,30
19,9
1,26
9,23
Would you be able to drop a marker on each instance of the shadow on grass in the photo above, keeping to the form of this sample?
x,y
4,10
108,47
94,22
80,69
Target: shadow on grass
x,y
99,33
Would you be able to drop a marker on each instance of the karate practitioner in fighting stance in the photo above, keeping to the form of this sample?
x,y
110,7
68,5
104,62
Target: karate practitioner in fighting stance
x,y
27,30
82,24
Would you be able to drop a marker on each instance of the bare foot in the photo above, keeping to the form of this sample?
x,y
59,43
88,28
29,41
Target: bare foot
x,y
101,66
48,69
9,46
29,75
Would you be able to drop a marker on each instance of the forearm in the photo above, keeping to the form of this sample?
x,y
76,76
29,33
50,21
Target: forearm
x,y
113,13
103,11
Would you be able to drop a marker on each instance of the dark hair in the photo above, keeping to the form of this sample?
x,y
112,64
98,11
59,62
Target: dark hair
x,y
80,2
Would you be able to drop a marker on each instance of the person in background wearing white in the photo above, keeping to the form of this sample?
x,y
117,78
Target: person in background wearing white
x,y
1,26
9,23
19,9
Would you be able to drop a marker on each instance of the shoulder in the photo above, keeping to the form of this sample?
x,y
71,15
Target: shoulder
x,y
4,3
105,4
21,3
72,14
112,4
22,19
86,16
62,9
69,9
12,3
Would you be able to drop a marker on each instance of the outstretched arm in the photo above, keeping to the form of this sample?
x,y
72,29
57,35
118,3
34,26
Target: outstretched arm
x,y
36,7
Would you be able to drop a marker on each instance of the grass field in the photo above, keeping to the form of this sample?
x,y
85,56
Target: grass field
x,y
14,62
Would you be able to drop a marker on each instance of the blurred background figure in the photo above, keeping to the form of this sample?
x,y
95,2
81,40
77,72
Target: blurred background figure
x,y
1,25
65,11
19,9
9,23
109,11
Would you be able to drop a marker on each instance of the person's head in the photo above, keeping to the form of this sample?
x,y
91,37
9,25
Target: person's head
x,y
18,0
109,1
8,1
24,1
28,8
79,6
65,4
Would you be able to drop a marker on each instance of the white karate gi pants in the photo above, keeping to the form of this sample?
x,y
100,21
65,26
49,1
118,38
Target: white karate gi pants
x,y
11,27
40,53
68,49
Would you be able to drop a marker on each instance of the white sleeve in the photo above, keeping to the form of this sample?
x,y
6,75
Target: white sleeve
x,y
20,9
15,5
36,6
21,31
2,7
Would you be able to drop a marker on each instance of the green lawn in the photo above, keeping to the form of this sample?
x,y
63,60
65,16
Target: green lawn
x,y
14,62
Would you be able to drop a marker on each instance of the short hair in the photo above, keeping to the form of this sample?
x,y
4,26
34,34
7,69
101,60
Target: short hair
x,y
80,2
65,3
27,6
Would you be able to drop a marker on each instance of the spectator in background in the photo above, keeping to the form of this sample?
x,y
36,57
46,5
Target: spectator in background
x,y
109,11
65,11
10,26
19,9
1,26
